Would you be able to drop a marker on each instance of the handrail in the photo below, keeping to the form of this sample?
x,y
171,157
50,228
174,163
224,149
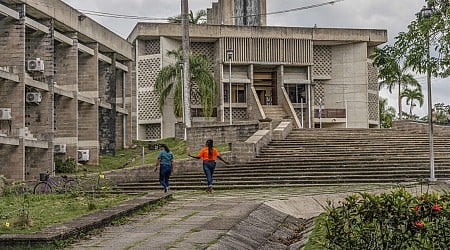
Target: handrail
x,y
291,108
258,103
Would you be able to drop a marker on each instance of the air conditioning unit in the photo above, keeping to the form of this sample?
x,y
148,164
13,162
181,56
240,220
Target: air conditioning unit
x,y
60,148
5,114
35,65
33,97
83,155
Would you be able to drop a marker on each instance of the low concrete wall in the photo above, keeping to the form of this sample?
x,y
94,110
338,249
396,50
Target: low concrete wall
x,y
246,151
421,127
219,133
282,130
146,172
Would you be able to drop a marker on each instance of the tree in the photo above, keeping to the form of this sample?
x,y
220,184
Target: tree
x,y
198,18
428,33
387,114
170,78
412,95
393,72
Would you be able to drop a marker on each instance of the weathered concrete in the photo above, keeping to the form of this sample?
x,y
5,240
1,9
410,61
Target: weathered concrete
x,y
82,224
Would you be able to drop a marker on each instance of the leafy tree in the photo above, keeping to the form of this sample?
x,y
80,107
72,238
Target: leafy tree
x,y
170,78
198,18
387,114
412,95
393,72
426,34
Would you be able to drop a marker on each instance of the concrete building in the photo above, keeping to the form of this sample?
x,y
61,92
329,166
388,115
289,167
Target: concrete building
x,y
65,86
316,77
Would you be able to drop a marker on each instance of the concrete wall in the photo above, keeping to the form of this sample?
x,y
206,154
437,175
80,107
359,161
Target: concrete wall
x,y
348,83
220,134
69,86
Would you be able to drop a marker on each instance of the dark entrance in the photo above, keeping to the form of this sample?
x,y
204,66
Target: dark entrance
x,y
265,84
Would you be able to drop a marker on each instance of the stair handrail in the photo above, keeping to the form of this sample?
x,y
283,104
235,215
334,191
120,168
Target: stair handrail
x,y
291,109
258,103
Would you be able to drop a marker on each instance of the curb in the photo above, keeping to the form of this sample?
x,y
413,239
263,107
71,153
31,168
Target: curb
x,y
82,224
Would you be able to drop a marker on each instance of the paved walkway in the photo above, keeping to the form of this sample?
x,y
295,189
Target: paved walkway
x,y
196,220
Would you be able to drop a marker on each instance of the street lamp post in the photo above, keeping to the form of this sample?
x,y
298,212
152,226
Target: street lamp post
x,y
229,57
181,65
426,12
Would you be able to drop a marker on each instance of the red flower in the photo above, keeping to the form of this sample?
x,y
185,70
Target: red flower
x,y
417,208
419,224
436,207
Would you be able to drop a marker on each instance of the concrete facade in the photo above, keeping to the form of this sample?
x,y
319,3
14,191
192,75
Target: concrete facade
x,y
299,70
80,99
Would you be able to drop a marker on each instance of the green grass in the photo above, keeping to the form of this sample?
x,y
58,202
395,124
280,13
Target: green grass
x,y
133,157
317,236
46,210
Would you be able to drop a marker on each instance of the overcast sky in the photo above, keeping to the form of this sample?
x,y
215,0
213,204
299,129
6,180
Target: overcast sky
x,y
392,15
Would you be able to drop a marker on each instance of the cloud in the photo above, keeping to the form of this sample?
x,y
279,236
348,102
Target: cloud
x,y
393,15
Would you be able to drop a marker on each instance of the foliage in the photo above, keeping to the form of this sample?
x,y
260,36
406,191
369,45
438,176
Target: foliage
x,y
393,72
40,211
198,18
317,237
412,95
67,166
425,34
387,114
170,79
396,220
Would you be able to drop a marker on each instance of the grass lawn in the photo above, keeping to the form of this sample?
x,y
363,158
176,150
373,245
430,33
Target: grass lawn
x,y
45,210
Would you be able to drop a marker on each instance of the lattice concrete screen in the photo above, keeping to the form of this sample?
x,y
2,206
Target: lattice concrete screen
x,y
152,131
148,100
208,50
239,114
319,93
373,107
372,77
322,61
152,47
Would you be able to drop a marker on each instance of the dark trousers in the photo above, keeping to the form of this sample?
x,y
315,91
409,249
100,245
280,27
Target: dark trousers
x,y
208,168
164,174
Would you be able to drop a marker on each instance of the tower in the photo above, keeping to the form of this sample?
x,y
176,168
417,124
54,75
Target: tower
x,y
238,12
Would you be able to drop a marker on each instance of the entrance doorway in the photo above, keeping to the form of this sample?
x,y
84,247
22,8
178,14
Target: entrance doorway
x,y
265,84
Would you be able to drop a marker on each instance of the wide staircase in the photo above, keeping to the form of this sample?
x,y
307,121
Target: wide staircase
x,y
326,157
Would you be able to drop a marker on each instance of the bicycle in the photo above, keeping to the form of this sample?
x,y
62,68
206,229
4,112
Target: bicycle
x,y
48,184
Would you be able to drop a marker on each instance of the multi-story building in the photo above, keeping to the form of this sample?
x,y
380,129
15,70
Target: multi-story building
x,y
317,77
65,87
70,88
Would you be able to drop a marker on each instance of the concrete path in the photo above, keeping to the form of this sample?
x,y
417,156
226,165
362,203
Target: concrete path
x,y
196,220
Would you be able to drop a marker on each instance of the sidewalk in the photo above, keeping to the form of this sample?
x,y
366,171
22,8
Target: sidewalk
x,y
236,219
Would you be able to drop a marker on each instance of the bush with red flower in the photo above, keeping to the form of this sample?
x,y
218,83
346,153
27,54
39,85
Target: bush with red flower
x,y
395,220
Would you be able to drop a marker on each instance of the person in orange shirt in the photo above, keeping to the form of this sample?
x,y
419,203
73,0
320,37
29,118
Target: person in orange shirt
x,y
209,154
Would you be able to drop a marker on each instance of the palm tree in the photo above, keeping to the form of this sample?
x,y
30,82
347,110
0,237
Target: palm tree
x,y
198,18
412,95
387,114
393,72
170,78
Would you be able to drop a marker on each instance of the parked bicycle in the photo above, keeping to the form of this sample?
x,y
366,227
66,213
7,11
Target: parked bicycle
x,y
61,184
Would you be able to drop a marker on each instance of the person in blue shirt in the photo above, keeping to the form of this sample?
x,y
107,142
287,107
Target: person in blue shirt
x,y
165,163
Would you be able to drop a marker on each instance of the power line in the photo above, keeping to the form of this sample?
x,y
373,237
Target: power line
x,y
113,15
133,17
292,10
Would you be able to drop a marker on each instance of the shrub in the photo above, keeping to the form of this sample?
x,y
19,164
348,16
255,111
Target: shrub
x,y
396,220
67,166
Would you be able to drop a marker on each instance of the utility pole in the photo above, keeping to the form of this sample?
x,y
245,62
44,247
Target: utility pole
x,y
186,82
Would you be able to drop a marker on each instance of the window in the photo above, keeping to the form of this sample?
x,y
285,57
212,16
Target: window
x,y
238,93
296,92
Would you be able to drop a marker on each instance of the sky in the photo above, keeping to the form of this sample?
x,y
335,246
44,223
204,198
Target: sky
x,y
392,15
